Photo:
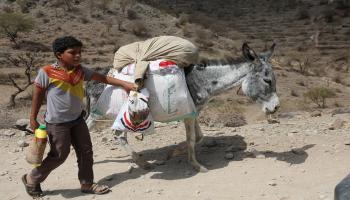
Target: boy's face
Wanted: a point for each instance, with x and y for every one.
(70, 57)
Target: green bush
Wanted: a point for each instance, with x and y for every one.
(13, 23)
(318, 95)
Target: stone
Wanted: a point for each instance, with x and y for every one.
(22, 143)
(273, 121)
(159, 162)
(159, 124)
(4, 173)
(260, 156)
(337, 124)
(210, 143)
(23, 133)
(316, 113)
(148, 191)
(220, 133)
(287, 115)
(229, 156)
(340, 111)
(131, 167)
(22, 124)
(272, 183)
(7, 132)
(104, 139)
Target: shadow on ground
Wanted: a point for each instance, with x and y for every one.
(211, 153)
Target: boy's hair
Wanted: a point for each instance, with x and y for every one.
(63, 43)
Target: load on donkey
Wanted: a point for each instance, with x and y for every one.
(255, 74)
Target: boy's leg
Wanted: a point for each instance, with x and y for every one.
(59, 140)
(81, 142)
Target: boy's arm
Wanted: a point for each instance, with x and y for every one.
(112, 81)
(38, 97)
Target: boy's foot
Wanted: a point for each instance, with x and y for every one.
(94, 188)
(33, 190)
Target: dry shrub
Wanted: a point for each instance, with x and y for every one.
(115, 47)
(303, 13)
(338, 79)
(337, 104)
(84, 20)
(131, 14)
(125, 4)
(337, 90)
(4, 79)
(104, 5)
(30, 62)
(32, 46)
(328, 15)
(294, 93)
(182, 20)
(343, 4)
(202, 19)
(39, 14)
(139, 29)
(318, 95)
(24, 5)
(301, 83)
(204, 38)
(11, 24)
(7, 9)
(187, 30)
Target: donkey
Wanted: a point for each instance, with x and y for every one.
(254, 74)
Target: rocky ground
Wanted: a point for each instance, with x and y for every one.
(302, 157)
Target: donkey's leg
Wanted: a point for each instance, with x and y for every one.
(199, 133)
(122, 138)
(191, 142)
(91, 121)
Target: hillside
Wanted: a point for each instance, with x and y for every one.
(301, 157)
(301, 63)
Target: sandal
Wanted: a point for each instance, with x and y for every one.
(33, 190)
(96, 189)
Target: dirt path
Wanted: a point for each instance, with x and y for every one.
(300, 158)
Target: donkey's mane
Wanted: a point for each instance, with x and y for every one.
(221, 61)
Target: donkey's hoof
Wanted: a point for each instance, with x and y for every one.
(145, 165)
(199, 139)
(201, 169)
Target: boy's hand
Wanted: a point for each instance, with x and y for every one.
(33, 124)
(130, 86)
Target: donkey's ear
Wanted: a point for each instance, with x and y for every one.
(248, 53)
(268, 54)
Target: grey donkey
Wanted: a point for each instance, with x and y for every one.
(204, 81)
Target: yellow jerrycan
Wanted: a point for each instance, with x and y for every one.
(37, 147)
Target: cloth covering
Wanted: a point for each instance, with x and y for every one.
(172, 48)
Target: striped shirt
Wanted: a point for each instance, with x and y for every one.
(64, 91)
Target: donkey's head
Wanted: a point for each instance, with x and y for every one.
(260, 83)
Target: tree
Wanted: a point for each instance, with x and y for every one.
(318, 95)
(30, 63)
(13, 23)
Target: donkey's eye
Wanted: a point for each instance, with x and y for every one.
(266, 73)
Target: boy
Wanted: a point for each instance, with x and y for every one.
(62, 82)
